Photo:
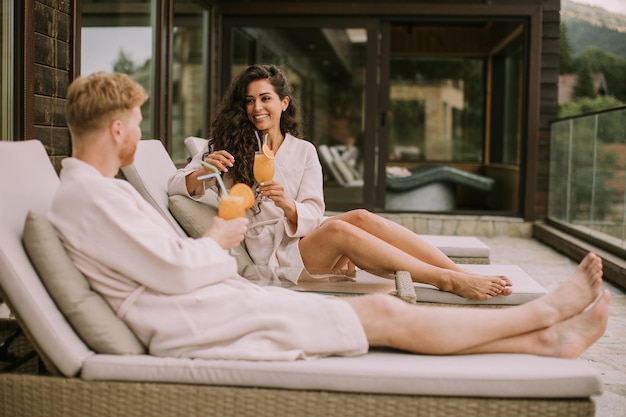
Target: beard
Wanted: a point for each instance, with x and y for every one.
(127, 154)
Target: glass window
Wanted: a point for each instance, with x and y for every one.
(189, 75)
(436, 109)
(455, 99)
(6, 71)
(508, 102)
(117, 35)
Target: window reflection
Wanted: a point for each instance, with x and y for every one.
(437, 109)
(189, 76)
(116, 37)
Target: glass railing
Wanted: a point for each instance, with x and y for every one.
(588, 176)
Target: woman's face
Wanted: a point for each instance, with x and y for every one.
(263, 106)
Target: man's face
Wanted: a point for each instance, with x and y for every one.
(131, 136)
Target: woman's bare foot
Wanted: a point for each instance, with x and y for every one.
(575, 294)
(478, 287)
(570, 338)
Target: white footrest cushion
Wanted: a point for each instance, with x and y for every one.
(525, 288)
(458, 246)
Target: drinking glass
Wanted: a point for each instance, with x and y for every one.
(263, 169)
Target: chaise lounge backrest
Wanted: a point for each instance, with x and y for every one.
(149, 174)
(194, 145)
(28, 183)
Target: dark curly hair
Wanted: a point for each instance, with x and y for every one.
(232, 130)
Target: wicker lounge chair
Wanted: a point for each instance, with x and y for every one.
(117, 378)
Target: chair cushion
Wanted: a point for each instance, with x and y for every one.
(458, 246)
(377, 372)
(195, 218)
(90, 315)
(525, 288)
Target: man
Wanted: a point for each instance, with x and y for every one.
(183, 296)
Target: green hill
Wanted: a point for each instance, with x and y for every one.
(594, 27)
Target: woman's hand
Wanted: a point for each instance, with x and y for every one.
(222, 160)
(275, 192)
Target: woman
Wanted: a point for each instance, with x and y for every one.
(290, 228)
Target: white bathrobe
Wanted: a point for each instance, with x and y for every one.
(182, 296)
(271, 239)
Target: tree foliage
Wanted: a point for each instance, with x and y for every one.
(566, 61)
(584, 82)
(124, 64)
(588, 105)
(612, 66)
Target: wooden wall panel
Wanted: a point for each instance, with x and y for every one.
(51, 68)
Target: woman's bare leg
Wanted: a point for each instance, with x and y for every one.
(450, 330)
(325, 247)
(398, 236)
(407, 241)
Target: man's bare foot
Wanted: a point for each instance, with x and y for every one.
(575, 294)
(570, 338)
(478, 287)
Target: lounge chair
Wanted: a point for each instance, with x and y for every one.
(97, 368)
(427, 188)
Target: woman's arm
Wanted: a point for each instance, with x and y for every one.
(185, 180)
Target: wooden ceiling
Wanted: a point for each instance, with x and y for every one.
(478, 39)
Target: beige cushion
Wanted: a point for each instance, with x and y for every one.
(195, 218)
(92, 318)
(378, 372)
(525, 288)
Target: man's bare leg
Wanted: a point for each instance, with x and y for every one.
(567, 339)
(448, 330)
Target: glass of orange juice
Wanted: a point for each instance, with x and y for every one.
(231, 207)
(263, 168)
(235, 203)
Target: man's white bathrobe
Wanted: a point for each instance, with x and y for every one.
(271, 239)
(182, 296)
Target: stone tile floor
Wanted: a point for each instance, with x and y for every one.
(549, 268)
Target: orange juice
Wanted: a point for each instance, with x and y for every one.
(232, 207)
(263, 168)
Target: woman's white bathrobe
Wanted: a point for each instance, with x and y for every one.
(182, 296)
(272, 239)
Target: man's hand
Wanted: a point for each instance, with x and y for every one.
(227, 233)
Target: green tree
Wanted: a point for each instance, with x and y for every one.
(588, 105)
(584, 82)
(566, 61)
(612, 66)
(124, 64)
